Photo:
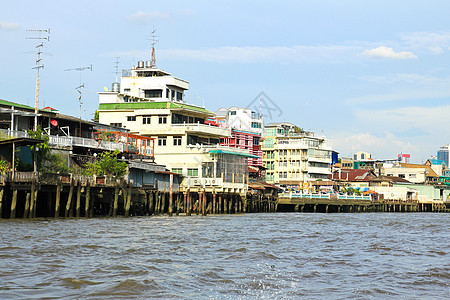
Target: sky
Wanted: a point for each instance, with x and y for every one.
(369, 75)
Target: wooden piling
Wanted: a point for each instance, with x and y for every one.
(13, 204)
(170, 203)
(26, 211)
(1, 202)
(163, 202)
(220, 204)
(225, 204)
(152, 203)
(69, 210)
(128, 200)
(58, 198)
(33, 197)
(188, 210)
(214, 211)
(88, 200)
(204, 201)
(116, 200)
(78, 207)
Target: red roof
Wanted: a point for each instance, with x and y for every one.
(353, 175)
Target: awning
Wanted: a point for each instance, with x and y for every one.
(233, 153)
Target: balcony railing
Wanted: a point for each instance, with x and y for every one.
(64, 141)
(202, 128)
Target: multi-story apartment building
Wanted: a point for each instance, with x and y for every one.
(150, 102)
(293, 157)
(246, 131)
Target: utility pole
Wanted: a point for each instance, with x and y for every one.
(79, 89)
(46, 33)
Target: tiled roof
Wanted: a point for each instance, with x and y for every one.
(431, 172)
(353, 175)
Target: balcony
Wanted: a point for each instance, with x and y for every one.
(70, 141)
(205, 130)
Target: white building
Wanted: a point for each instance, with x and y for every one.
(293, 156)
(150, 102)
(243, 119)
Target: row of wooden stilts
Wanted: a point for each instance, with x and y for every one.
(378, 207)
(77, 199)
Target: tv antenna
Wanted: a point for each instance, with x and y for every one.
(154, 41)
(43, 34)
(80, 88)
(117, 68)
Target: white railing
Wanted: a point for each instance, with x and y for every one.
(197, 127)
(64, 141)
(325, 196)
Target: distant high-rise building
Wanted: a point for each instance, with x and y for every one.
(443, 153)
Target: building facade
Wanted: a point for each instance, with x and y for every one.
(293, 156)
(246, 131)
(150, 102)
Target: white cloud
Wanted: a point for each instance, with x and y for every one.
(414, 93)
(146, 17)
(386, 52)
(404, 78)
(9, 26)
(385, 146)
(434, 42)
(283, 55)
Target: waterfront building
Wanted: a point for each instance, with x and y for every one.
(151, 102)
(246, 131)
(415, 173)
(294, 157)
(438, 166)
(361, 156)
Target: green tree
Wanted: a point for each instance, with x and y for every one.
(46, 160)
(107, 164)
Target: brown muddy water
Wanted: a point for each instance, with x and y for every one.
(254, 256)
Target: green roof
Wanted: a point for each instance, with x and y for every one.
(151, 105)
(9, 103)
(233, 153)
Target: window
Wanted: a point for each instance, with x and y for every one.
(401, 175)
(116, 124)
(167, 93)
(177, 170)
(162, 141)
(126, 90)
(146, 120)
(256, 125)
(412, 175)
(162, 120)
(153, 93)
(192, 172)
(179, 96)
(131, 118)
(177, 140)
(233, 113)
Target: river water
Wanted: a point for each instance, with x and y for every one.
(252, 256)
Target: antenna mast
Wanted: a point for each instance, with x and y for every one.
(154, 41)
(117, 68)
(80, 88)
(46, 33)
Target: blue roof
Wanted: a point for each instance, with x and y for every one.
(437, 162)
